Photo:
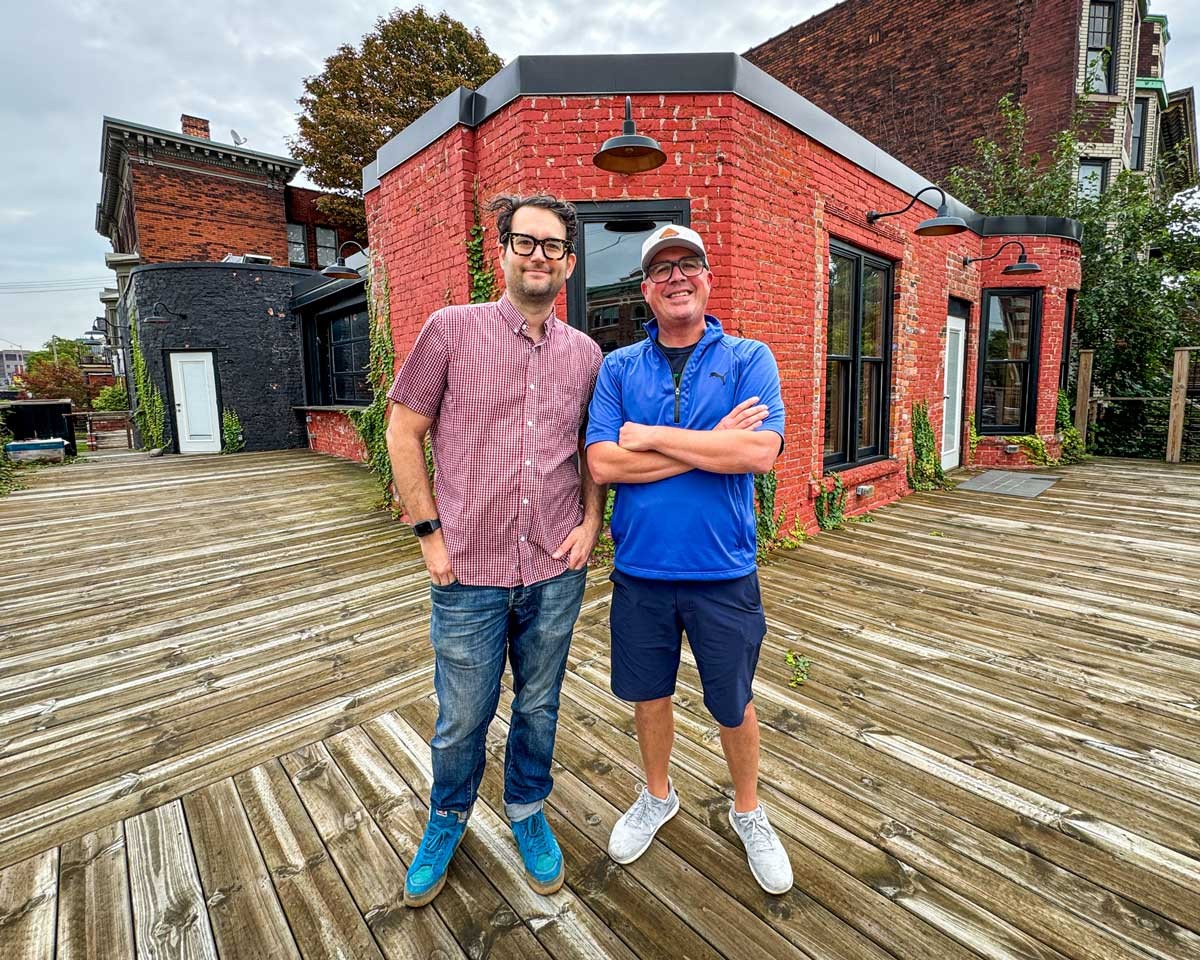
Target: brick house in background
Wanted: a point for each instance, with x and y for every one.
(922, 80)
(866, 320)
(176, 207)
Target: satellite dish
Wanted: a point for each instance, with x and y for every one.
(237, 140)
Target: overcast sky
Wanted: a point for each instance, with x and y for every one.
(64, 65)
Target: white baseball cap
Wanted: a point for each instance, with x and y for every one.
(670, 235)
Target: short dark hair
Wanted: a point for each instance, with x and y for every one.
(505, 205)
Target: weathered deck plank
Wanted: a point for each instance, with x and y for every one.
(93, 897)
(247, 920)
(997, 753)
(170, 918)
(28, 901)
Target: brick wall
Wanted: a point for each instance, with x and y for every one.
(332, 433)
(766, 198)
(1059, 260)
(922, 80)
(300, 205)
(187, 213)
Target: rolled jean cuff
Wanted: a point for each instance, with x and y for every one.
(517, 812)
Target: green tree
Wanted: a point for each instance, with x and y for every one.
(1140, 252)
(57, 350)
(112, 397)
(369, 93)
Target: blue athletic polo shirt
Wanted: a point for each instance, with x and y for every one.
(698, 525)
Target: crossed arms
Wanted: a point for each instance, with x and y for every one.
(644, 453)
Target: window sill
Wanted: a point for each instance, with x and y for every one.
(343, 408)
(862, 470)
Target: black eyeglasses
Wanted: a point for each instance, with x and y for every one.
(661, 270)
(552, 247)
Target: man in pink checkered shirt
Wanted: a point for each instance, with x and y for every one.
(503, 388)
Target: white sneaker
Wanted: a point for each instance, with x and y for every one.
(638, 825)
(768, 860)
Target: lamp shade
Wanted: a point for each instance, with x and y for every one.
(630, 152)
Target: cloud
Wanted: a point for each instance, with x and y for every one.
(242, 65)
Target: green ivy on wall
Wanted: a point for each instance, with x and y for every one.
(973, 436)
(479, 266)
(1073, 449)
(924, 467)
(150, 415)
(769, 522)
(1035, 449)
(371, 422)
(830, 505)
(232, 439)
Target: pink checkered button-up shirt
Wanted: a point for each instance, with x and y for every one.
(507, 418)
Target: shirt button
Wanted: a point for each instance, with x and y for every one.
(524, 499)
(531, 387)
(529, 463)
(522, 539)
(529, 423)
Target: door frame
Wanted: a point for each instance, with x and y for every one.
(170, 399)
(959, 324)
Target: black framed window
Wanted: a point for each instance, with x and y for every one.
(350, 358)
(326, 246)
(1093, 178)
(1064, 372)
(1008, 351)
(604, 295)
(297, 245)
(1137, 150)
(857, 367)
(1101, 38)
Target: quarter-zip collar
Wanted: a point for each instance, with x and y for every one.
(712, 333)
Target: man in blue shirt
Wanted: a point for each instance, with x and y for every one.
(679, 423)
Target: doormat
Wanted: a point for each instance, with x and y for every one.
(1009, 483)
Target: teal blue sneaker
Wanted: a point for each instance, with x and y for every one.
(427, 872)
(543, 859)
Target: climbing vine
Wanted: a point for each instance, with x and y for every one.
(830, 505)
(8, 469)
(924, 467)
(371, 422)
(232, 439)
(973, 436)
(150, 415)
(1073, 450)
(769, 522)
(1035, 449)
(483, 278)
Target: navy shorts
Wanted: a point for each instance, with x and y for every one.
(725, 626)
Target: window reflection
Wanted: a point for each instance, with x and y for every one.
(616, 310)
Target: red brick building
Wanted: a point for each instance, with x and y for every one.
(181, 197)
(860, 317)
(922, 80)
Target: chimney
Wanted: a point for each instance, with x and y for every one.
(195, 126)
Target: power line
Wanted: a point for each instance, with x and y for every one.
(19, 285)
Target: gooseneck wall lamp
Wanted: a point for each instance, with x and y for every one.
(161, 313)
(942, 224)
(630, 152)
(338, 269)
(1021, 266)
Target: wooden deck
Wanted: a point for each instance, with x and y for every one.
(215, 706)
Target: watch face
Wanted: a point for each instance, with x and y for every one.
(425, 527)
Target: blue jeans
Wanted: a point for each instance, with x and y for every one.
(472, 630)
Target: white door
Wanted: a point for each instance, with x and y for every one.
(195, 390)
(956, 332)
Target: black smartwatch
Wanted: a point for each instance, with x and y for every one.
(424, 528)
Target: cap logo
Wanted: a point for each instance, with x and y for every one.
(668, 232)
